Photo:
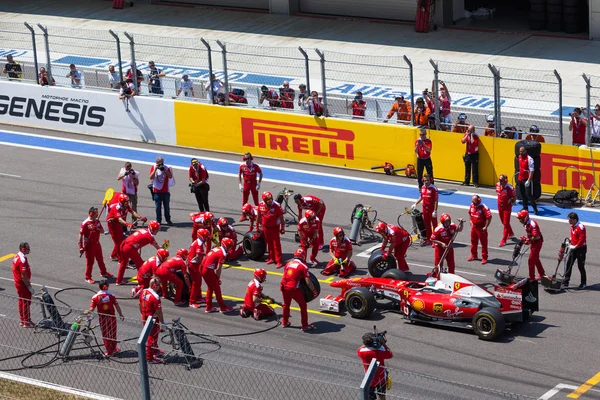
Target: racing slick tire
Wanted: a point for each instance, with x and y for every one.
(254, 248)
(308, 294)
(377, 265)
(360, 303)
(398, 275)
(488, 323)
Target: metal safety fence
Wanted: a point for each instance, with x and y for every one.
(514, 98)
(592, 108)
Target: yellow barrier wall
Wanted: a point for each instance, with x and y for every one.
(353, 144)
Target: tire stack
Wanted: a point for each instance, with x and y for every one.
(572, 16)
(534, 149)
(537, 15)
(554, 15)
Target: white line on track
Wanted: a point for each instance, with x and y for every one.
(34, 284)
(556, 389)
(10, 175)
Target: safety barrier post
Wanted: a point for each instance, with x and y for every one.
(497, 103)
(35, 59)
(323, 81)
(412, 91)
(377, 109)
(588, 87)
(224, 52)
(436, 88)
(142, 362)
(47, 42)
(306, 66)
(368, 378)
(118, 53)
(210, 71)
(560, 105)
(133, 65)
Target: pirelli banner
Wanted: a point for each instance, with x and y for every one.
(317, 140)
(91, 112)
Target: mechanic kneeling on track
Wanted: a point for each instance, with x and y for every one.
(375, 347)
(254, 296)
(340, 251)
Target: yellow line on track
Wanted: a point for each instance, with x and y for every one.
(593, 381)
(6, 257)
(228, 266)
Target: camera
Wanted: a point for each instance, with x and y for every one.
(378, 337)
(129, 171)
(161, 167)
(192, 188)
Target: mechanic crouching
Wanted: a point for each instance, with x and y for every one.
(340, 251)
(375, 347)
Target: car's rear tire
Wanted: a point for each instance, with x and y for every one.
(377, 265)
(360, 303)
(488, 323)
(397, 275)
(254, 248)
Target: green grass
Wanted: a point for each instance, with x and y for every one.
(22, 391)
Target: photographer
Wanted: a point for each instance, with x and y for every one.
(594, 119)
(578, 126)
(75, 76)
(270, 95)
(315, 106)
(358, 106)
(287, 95)
(127, 90)
(421, 113)
(471, 157)
(43, 75)
(154, 81)
(375, 347)
(198, 176)
(130, 181)
(162, 179)
(445, 103)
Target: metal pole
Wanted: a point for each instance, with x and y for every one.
(133, 65)
(306, 66)
(142, 362)
(118, 53)
(588, 87)
(377, 109)
(560, 105)
(497, 106)
(436, 89)
(412, 90)
(224, 53)
(366, 382)
(323, 82)
(210, 71)
(48, 64)
(35, 59)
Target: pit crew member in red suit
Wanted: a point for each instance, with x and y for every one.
(249, 212)
(22, 280)
(196, 256)
(308, 229)
(167, 271)
(506, 199)
(441, 239)
(131, 246)
(423, 147)
(577, 250)
(370, 350)
(204, 220)
(227, 231)
(340, 251)
(254, 295)
(429, 201)
(89, 243)
(150, 306)
(535, 240)
(148, 270)
(270, 218)
(480, 217)
(248, 173)
(106, 303)
(116, 220)
(295, 271)
(211, 272)
(315, 204)
(399, 241)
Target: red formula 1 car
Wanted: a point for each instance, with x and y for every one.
(449, 300)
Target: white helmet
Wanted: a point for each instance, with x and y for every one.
(490, 119)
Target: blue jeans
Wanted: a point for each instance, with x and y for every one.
(164, 199)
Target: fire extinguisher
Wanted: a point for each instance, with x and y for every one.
(358, 216)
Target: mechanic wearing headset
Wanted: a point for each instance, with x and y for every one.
(249, 212)
(248, 172)
(480, 218)
(148, 270)
(399, 241)
(308, 229)
(441, 237)
(254, 295)
(295, 271)
(204, 220)
(167, 272)
(211, 272)
(506, 199)
(270, 217)
(22, 279)
(195, 257)
(535, 240)
(89, 243)
(315, 204)
(106, 303)
(131, 246)
(116, 221)
(340, 251)
(150, 306)
(225, 230)
(375, 348)
(429, 200)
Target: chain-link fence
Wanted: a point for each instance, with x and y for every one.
(592, 111)
(18, 41)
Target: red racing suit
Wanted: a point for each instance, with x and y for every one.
(105, 303)
(399, 241)
(116, 211)
(200, 221)
(196, 256)
(20, 267)
(213, 280)
(312, 203)
(341, 251)
(230, 233)
(533, 230)
(90, 231)
(309, 231)
(149, 305)
(478, 215)
(271, 220)
(251, 216)
(249, 177)
(166, 272)
(444, 235)
(293, 272)
(130, 248)
(429, 196)
(145, 272)
(506, 198)
(258, 309)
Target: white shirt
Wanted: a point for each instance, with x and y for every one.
(187, 87)
(114, 79)
(128, 182)
(76, 75)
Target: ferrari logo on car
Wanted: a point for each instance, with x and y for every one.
(418, 305)
(406, 293)
(438, 308)
(456, 285)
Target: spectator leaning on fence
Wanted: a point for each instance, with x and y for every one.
(302, 97)
(445, 102)
(186, 86)
(216, 86)
(421, 112)
(127, 90)
(358, 106)
(401, 108)
(287, 95)
(534, 134)
(315, 106)
(490, 129)
(114, 80)
(594, 120)
(270, 95)
(43, 75)
(578, 126)
(140, 78)
(154, 81)
(12, 68)
(461, 125)
(75, 76)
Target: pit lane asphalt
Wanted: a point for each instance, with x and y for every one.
(50, 197)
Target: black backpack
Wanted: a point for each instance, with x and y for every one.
(566, 198)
